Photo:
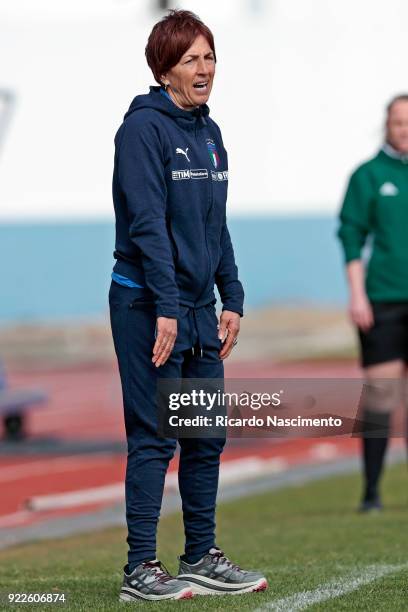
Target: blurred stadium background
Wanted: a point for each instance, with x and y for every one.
(299, 95)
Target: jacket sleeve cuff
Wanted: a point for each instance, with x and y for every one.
(170, 312)
(351, 253)
(233, 306)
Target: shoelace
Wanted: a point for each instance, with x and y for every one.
(160, 570)
(220, 557)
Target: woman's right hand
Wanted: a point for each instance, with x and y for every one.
(166, 334)
(361, 312)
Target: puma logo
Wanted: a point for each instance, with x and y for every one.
(178, 150)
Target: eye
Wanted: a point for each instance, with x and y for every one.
(188, 61)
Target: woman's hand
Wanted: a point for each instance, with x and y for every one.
(166, 334)
(360, 311)
(229, 327)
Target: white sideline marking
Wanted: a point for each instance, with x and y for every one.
(335, 588)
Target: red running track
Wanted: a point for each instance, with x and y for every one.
(85, 404)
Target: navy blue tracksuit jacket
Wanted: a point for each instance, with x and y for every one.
(169, 191)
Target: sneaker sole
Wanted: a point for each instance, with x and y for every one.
(128, 594)
(208, 586)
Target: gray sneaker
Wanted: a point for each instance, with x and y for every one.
(152, 581)
(214, 574)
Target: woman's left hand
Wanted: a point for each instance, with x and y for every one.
(228, 331)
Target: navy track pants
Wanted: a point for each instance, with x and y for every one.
(133, 322)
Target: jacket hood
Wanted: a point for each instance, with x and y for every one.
(159, 102)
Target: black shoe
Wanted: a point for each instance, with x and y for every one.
(371, 505)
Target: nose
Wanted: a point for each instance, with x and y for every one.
(201, 66)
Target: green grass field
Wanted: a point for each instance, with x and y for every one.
(302, 538)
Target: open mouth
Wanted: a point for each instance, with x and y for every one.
(201, 85)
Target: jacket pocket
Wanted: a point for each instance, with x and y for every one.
(143, 302)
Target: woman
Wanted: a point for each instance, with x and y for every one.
(376, 205)
(172, 247)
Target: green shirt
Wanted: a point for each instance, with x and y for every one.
(376, 205)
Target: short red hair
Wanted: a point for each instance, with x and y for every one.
(170, 39)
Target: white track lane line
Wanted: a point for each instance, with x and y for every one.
(95, 495)
(335, 588)
(236, 470)
(53, 465)
(16, 518)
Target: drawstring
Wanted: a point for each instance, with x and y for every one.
(195, 325)
(200, 346)
(198, 112)
(193, 350)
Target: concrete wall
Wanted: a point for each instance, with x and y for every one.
(299, 95)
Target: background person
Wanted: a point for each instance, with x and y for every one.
(172, 247)
(376, 205)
